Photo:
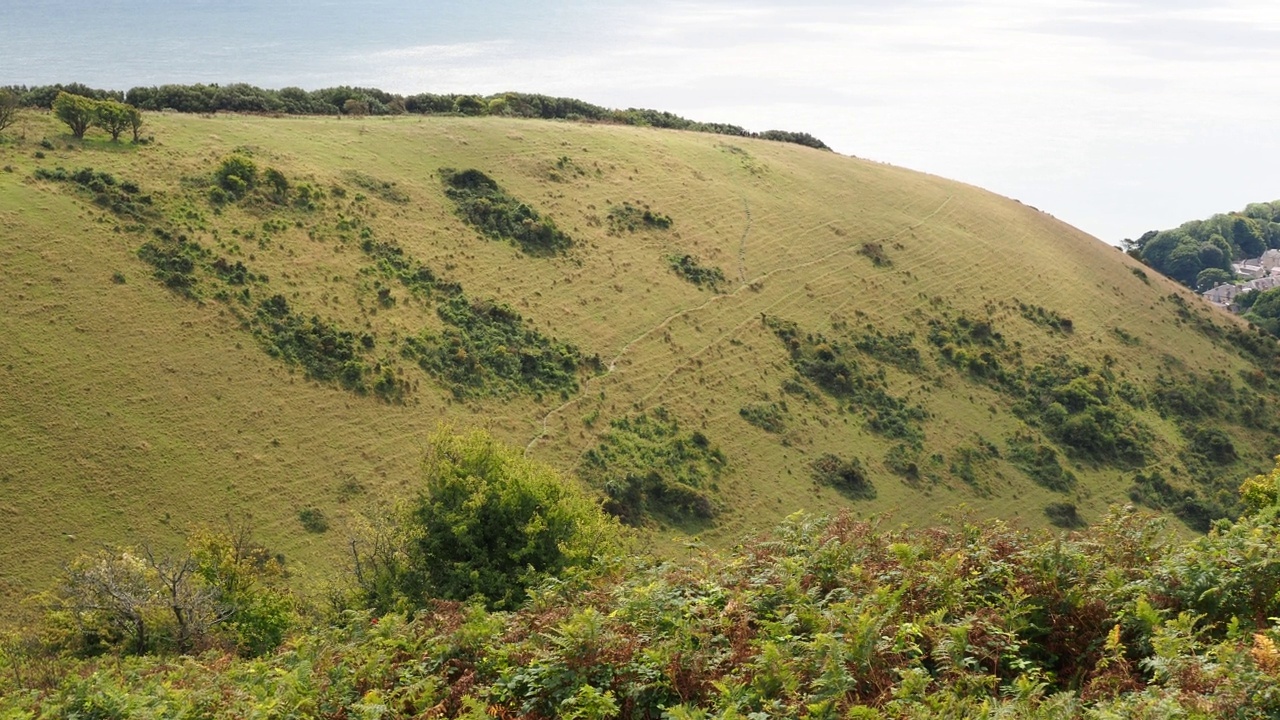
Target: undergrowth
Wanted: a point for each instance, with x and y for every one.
(647, 466)
(487, 207)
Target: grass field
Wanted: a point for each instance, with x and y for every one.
(129, 413)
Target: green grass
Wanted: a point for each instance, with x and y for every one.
(128, 411)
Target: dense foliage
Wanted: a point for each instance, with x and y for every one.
(831, 618)
(491, 210)
(1199, 253)
(357, 101)
(647, 466)
(487, 525)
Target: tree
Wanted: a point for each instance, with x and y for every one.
(1210, 278)
(135, 121)
(1261, 492)
(222, 587)
(112, 117)
(1246, 236)
(488, 524)
(77, 111)
(9, 103)
(355, 107)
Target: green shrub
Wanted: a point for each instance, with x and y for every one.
(832, 366)
(846, 475)
(689, 268)
(770, 417)
(487, 207)
(1064, 515)
(236, 175)
(487, 349)
(646, 465)
(313, 520)
(490, 524)
(630, 218)
(1040, 463)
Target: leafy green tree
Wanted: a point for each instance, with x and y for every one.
(113, 117)
(77, 111)
(1262, 492)
(1210, 278)
(488, 524)
(470, 105)
(135, 121)
(1247, 237)
(9, 103)
(1184, 263)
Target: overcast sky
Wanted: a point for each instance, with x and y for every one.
(1117, 117)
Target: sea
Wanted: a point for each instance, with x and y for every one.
(391, 44)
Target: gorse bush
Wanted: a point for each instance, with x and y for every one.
(832, 365)
(647, 466)
(123, 198)
(691, 269)
(630, 218)
(489, 349)
(487, 207)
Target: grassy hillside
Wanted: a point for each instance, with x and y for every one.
(901, 326)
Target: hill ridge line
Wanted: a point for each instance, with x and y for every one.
(612, 367)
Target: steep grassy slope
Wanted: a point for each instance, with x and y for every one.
(129, 411)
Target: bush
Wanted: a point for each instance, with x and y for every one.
(1064, 515)
(647, 466)
(770, 417)
(490, 524)
(691, 269)
(487, 207)
(236, 175)
(847, 476)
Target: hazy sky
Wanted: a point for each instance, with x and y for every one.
(1115, 116)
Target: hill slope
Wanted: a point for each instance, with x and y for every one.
(874, 336)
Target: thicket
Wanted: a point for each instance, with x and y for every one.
(486, 206)
(823, 618)
(647, 466)
(1263, 309)
(487, 349)
(974, 346)
(631, 218)
(122, 197)
(768, 416)
(1081, 408)
(1048, 319)
(844, 474)
(896, 349)
(1040, 463)
(832, 366)
(690, 269)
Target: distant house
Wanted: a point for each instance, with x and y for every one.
(1270, 261)
(1223, 294)
(1252, 268)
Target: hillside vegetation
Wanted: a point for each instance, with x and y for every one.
(263, 318)
(822, 618)
(1199, 253)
